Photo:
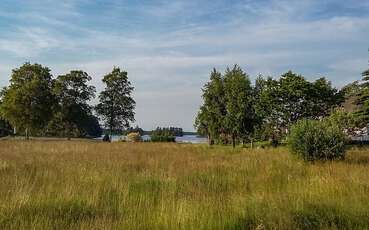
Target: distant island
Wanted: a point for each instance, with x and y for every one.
(174, 131)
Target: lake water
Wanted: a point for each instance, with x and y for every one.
(194, 139)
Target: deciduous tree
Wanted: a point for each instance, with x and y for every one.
(362, 114)
(73, 93)
(210, 119)
(240, 116)
(116, 105)
(28, 101)
(283, 102)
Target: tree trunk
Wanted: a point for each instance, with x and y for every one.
(111, 133)
(252, 143)
(68, 131)
(233, 141)
(210, 141)
(27, 136)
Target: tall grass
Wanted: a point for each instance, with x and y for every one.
(85, 185)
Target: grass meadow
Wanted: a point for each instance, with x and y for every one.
(88, 185)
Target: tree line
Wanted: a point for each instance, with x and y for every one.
(168, 131)
(35, 103)
(236, 111)
(159, 131)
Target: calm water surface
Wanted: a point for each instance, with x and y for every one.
(194, 139)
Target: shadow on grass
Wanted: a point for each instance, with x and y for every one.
(60, 214)
(327, 217)
(243, 223)
(361, 160)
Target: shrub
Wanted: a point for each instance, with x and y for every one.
(274, 141)
(344, 120)
(165, 138)
(317, 140)
(134, 137)
(106, 138)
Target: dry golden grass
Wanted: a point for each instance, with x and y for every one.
(87, 185)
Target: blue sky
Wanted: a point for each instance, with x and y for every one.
(169, 47)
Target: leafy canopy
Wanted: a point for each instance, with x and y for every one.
(317, 140)
(28, 101)
(227, 111)
(362, 114)
(116, 105)
(73, 113)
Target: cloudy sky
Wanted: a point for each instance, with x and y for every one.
(169, 47)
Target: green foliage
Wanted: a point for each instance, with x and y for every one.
(280, 103)
(28, 101)
(362, 114)
(162, 138)
(234, 111)
(202, 123)
(324, 98)
(73, 115)
(165, 134)
(116, 105)
(90, 126)
(267, 104)
(291, 98)
(346, 121)
(240, 116)
(317, 140)
(170, 131)
(325, 216)
(351, 89)
(210, 119)
(227, 113)
(5, 128)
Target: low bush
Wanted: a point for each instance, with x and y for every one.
(317, 140)
(157, 138)
(134, 137)
(274, 142)
(106, 138)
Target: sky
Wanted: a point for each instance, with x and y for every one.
(168, 47)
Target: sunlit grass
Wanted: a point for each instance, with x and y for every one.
(86, 185)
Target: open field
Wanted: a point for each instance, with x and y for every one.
(88, 185)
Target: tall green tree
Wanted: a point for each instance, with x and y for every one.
(27, 102)
(116, 105)
(240, 117)
(294, 98)
(235, 110)
(73, 93)
(282, 102)
(90, 126)
(227, 112)
(351, 90)
(362, 114)
(202, 123)
(324, 98)
(210, 119)
(5, 127)
(268, 105)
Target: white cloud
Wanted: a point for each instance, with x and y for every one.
(169, 68)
